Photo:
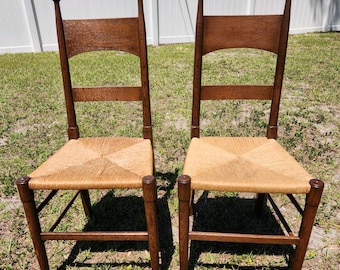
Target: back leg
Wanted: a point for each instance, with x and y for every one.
(85, 198)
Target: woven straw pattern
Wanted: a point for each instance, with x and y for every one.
(91, 163)
(244, 165)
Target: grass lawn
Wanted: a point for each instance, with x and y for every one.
(33, 126)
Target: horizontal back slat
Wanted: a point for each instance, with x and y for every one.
(109, 93)
(101, 34)
(258, 32)
(222, 92)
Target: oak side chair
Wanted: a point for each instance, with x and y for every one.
(243, 164)
(97, 162)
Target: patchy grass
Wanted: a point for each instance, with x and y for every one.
(32, 127)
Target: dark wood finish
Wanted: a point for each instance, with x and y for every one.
(150, 204)
(48, 198)
(295, 203)
(260, 202)
(196, 99)
(265, 32)
(64, 212)
(107, 93)
(96, 236)
(280, 67)
(244, 238)
(92, 35)
(27, 199)
(86, 201)
(73, 131)
(144, 67)
(220, 92)
(280, 216)
(311, 207)
(76, 37)
(184, 193)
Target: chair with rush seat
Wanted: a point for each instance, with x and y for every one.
(97, 162)
(243, 164)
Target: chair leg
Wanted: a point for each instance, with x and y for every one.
(191, 202)
(312, 203)
(85, 198)
(184, 196)
(150, 204)
(27, 198)
(260, 203)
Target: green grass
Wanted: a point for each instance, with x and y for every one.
(33, 126)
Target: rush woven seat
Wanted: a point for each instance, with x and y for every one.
(258, 165)
(244, 165)
(96, 163)
(86, 163)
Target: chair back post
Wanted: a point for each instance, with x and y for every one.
(73, 131)
(280, 65)
(196, 103)
(147, 128)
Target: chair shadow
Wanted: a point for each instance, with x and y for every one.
(234, 215)
(167, 247)
(126, 213)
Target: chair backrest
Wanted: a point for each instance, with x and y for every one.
(265, 32)
(119, 34)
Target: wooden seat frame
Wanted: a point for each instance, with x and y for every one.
(221, 32)
(75, 37)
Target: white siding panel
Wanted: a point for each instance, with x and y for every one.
(222, 7)
(269, 7)
(334, 16)
(28, 25)
(151, 20)
(45, 17)
(80, 9)
(307, 15)
(15, 35)
(176, 20)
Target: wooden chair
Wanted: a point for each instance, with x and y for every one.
(97, 162)
(243, 164)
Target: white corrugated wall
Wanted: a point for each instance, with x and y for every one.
(28, 25)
